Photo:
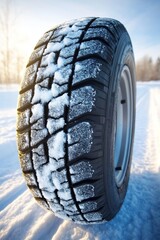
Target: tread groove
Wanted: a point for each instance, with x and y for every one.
(85, 181)
(66, 120)
(29, 133)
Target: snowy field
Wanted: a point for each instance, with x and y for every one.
(22, 218)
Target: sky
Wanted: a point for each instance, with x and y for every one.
(140, 17)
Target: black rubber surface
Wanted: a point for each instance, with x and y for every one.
(66, 118)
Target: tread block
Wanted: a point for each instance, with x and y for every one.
(55, 207)
(65, 194)
(62, 75)
(37, 112)
(77, 218)
(70, 206)
(23, 141)
(59, 179)
(46, 72)
(106, 23)
(39, 150)
(38, 132)
(44, 83)
(30, 179)
(96, 47)
(55, 39)
(23, 119)
(86, 69)
(25, 160)
(45, 183)
(56, 147)
(36, 54)
(79, 139)
(68, 51)
(82, 101)
(100, 33)
(49, 58)
(95, 216)
(49, 196)
(44, 39)
(25, 99)
(62, 31)
(38, 160)
(83, 22)
(41, 95)
(30, 76)
(36, 192)
(75, 34)
(84, 192)
(88, 206)
(57, 105)
(81, 171)
(54, 125)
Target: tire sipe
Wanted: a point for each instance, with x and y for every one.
(76, 119)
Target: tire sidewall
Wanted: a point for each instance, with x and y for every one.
(114, 195)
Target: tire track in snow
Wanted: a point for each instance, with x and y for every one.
(140, 214)
(25, 219)
(153, 132)
(142, 93)
(10, 195)
(142, 118)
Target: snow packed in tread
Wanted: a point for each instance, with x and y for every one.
(54, 54)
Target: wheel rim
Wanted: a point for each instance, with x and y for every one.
(124, 122)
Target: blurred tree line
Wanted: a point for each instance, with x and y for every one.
(11, 54)
(12, 57)
(148, 70)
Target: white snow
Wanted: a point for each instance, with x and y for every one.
(46, 72)
(74, 28)
(57, 183)
(56, 145)
(48, 59)
(60, 62)
(43, 176)
(55, 47)
(54, 125)
(78, 67)
(37, 112)
(65, 30)
(41, 94)
(56, 106)
(55, 90)
(65, 194)
(58, 76)
(68, 41)
(139, 218)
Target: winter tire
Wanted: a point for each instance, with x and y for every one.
(76, 118)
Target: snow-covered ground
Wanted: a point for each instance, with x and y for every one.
(22, 218)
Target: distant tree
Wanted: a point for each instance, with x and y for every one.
(157, 69)
(147, 70)
(143, 68)
(10, 57)
(5, 29)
